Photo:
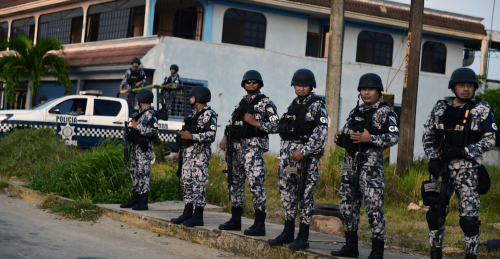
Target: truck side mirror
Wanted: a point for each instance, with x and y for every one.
(54, 110)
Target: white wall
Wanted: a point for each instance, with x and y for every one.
(432, 86)
(284, 34)
(223, 66)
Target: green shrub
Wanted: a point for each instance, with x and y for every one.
(99, 174)
(24, 151)
(81, 209)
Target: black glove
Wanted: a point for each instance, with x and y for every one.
(435, 167)
(449, 153)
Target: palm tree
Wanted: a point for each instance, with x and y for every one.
(26, 60)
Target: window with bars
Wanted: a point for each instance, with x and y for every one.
(374, 48)
(181, 104)
(433, 57)
(66, 26)
(24, 26)
(244, 28)
(179, 18)
(115, 20)
(4, 32)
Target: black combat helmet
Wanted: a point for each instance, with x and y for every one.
(136, 60)
(304, 77)
(174, 66)
(463, 75)
(145, 96)
(252, 74)
(370, 80)
(201, 94)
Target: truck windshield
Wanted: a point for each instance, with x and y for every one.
(45, 104)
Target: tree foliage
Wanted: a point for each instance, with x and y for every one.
(26, 60)
(492, 97)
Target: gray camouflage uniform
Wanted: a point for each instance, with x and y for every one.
(463, 172)
(140, 166)
(126, 86)
(316, 144)
(248, 156)
(167, 96)
(196, 159)
(371, 178)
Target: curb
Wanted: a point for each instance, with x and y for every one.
(223, 240)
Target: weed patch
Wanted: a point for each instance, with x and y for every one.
(81, 209)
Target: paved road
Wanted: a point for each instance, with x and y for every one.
(28, 232)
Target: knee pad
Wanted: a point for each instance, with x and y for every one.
(470, 226)
(432, 220)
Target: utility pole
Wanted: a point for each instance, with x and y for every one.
(410, 87)
(334, 71)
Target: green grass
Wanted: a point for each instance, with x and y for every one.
(3, 185)
(81, 209)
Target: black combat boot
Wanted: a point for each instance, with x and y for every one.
(235, 222)
(286, 236)
(351, 246)
(377, 249)
(436, 253)
(142, 203)
(187, 214)
(259, 226)
(302, 240)
(469, 256)
(131, 203)
(197, 219)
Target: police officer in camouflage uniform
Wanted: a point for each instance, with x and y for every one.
(370, 128)
(134, 77)
(253, 119)
(167, 95)
(145, 130)
(461, 154)
(195, 140)
(303, 130)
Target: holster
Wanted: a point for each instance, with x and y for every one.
(430, 194)
(483, 180)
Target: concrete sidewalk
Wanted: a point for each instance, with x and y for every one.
(157, 219)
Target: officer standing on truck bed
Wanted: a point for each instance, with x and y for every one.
(370, 128)
(134, 78)
(167, 95)
(303, 130)
(458, 130)
(195, 140)
(252, 120)
(145, 130)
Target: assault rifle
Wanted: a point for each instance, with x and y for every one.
(301, 182)
(356, 168)
(228, 158)
(179, 167)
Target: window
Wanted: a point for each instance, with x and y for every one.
(24, 26)
(71, 105)
(106, 108)
(374, 48)
(312, 45)
(115, 20)
(4, 32)
(433, 57)
(178, 18)
(66, 26)
(244, 28)
(181, 105)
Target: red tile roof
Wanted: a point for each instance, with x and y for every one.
(402, 14)
(109, 56)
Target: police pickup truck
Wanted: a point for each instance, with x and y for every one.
(82, 120)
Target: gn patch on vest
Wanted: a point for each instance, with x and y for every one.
(393, 129)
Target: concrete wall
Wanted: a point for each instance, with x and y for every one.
(223, 66)
(284, 33)
(432, 86)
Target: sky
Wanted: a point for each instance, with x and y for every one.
(476, 8)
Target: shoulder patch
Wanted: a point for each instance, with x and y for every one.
(494, 126)
(393, 121)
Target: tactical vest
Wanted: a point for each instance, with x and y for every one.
(191, 125)
(454, 127)
(293, 125)
(240, 128)
(358, 122)
(137, 138)
(135, 76)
